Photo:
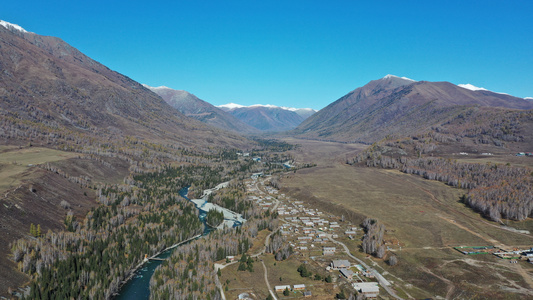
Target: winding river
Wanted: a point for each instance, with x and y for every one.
(138, 287)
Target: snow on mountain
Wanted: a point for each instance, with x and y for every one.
(528, 98)
(12, 26)
(157, 87)
(230, 106)
(394, 76)
(471, 87)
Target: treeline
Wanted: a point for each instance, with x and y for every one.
(497, 191)
(214, 218)
(373, 238)
(100, 252)
(279, 247)
(233, 197)
(274, 145)
(142, 155)
(189, 273)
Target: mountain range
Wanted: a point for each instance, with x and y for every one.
(45, 81)
(252, 119)
(268, 118)
(196, 108)
(398, 106)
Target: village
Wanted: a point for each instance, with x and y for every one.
(316, 239)
(328, 248)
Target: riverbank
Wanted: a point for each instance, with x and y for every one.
(137, 284)
(134, 270)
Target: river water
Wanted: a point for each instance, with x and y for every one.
(138, 288)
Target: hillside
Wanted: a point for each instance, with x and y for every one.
(394, 106)
(191, 106)
(53, 87)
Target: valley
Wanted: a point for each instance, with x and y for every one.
(400, 189)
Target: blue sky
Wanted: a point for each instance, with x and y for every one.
(294, 53)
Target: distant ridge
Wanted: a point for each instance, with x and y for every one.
(268, 117)
(399, 106)
(193, 107)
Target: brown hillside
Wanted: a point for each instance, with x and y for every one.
(398, 107)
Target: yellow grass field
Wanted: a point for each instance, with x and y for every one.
(15, 161)
(425, 218)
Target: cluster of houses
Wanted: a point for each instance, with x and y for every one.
(297, 207)
(308, 228)
(345, 268)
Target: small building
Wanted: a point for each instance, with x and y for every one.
(346, 273)
(298, 287)
(230, 258)
(308, 294)
(368, 289)
(340, 264)
(281, 288)
(328, 250)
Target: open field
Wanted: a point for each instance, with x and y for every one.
(424, 217)
(14, 161)
(238, 282)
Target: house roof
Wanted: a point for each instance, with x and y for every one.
(337, 263)
(346, 272)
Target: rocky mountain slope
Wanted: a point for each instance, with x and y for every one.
(50, 85)
(191, 106)
(395, 106)
(68, 126)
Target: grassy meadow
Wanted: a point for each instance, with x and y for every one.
(15, 162)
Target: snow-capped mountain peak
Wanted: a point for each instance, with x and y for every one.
(528, 98)
(394, 76)
(298, 109)
(471, 87)
(156, 87)
(12, 26)
(230, 106)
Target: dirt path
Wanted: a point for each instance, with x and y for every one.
(525, 274)
(487, 239)
(451, 286)
(268, 283)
